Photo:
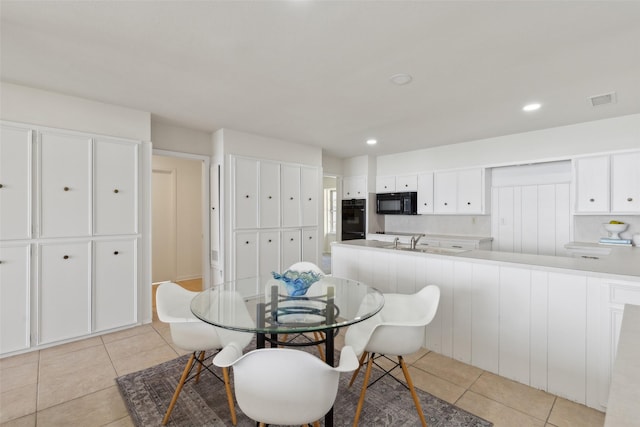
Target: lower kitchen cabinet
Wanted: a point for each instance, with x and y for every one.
(115, 299)
(15, 298)
(64, 291)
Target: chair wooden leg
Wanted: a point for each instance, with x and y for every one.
(227, 386)
(367, 374)
(405, 371)
(201, 359)
(355, 374)
(318, 337)
(183, 378)
(316, 424)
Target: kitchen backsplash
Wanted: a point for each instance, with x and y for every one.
(469, 225)
(589, 228)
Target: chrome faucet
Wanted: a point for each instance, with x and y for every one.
(395, 242)
(414, 240)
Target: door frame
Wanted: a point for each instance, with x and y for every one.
(205, 190)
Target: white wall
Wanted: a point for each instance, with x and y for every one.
(170, 137)
(34, 106)
(188, 209)
(564, 142)
(331, 165)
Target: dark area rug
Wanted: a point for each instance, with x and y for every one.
(147, 394)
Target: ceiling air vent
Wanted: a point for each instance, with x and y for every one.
(607, 98)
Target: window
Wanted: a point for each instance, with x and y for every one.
(331, 203)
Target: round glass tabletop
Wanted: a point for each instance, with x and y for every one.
(262, 305)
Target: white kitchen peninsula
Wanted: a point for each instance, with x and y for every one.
(549, 322)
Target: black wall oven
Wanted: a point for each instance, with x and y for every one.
(353, 219)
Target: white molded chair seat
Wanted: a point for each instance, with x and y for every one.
(396, 330)
(306, 386)
(173, 304)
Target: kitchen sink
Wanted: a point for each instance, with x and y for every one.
(434, 250)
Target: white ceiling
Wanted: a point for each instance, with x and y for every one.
(316, 72)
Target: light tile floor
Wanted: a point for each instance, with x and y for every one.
(73, 384)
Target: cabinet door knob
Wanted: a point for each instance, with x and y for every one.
(290, 198)
(469, 203)
(246, 197)
(246, 243)
(425, 204)
(270, 197)
(592, 200)
(66, 257)
(445, 203)
(269, 240)
(406, 185)
(116, 252)
(116, 191)
(309, 198)
(629, 199)
(292, 239)
(213, 208)
(66, 188)
(0, 185)
(310, 237)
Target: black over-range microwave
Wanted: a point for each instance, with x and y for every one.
(397, 203)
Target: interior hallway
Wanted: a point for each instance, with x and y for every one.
(73, 384)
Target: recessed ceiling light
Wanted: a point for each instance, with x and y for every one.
(372, 141)
(531, 107)
(401, 79)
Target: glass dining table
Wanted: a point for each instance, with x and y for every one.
(262, 306)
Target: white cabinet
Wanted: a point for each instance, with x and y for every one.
(425, 193)
(15, 182)
(65, 183)
(246, 254)
(406, 183)
(115, 187)
(15, 297)
(385, 184)
(608, 184)
(310, 196)
(269, 194)
(445, 192)
(290, 184)
(115, 294)
(625, 182)
(269, 253)
(64, 291)
(310, 245)
(461, 192)
(354, 187)
(246, 193)
(592, 184)
(291, 248)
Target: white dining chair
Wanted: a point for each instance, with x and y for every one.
(173, 304)
(396, 330)
(306, 386)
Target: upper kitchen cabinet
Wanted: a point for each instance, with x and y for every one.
(115, 187)
(385, 184)
(269, 194)
(625, 183)
(425, 193)
(354, 187)
(65, 183)
(246, 193)
(310, 194)
(290, 185)
(15, 182)
(406, 183)
(460, 192)
(592, 184)
(608, 184)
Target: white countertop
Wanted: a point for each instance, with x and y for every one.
(623, 261)
(391, 235)
(623, 408)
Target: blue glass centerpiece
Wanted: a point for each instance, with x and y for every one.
(297, 282)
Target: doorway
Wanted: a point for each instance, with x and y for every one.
(330, 219)
(180, 220)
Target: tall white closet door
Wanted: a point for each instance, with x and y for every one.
(269, 253)
(290, 248)
(310, 245)
(290, 196)
(14, 298)
(246, 254)
(246, 193)
(65, 182)
(114, 288)
(64, 291)
(269, 195)
(310, 195)
(115, 187)
(15, 183)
